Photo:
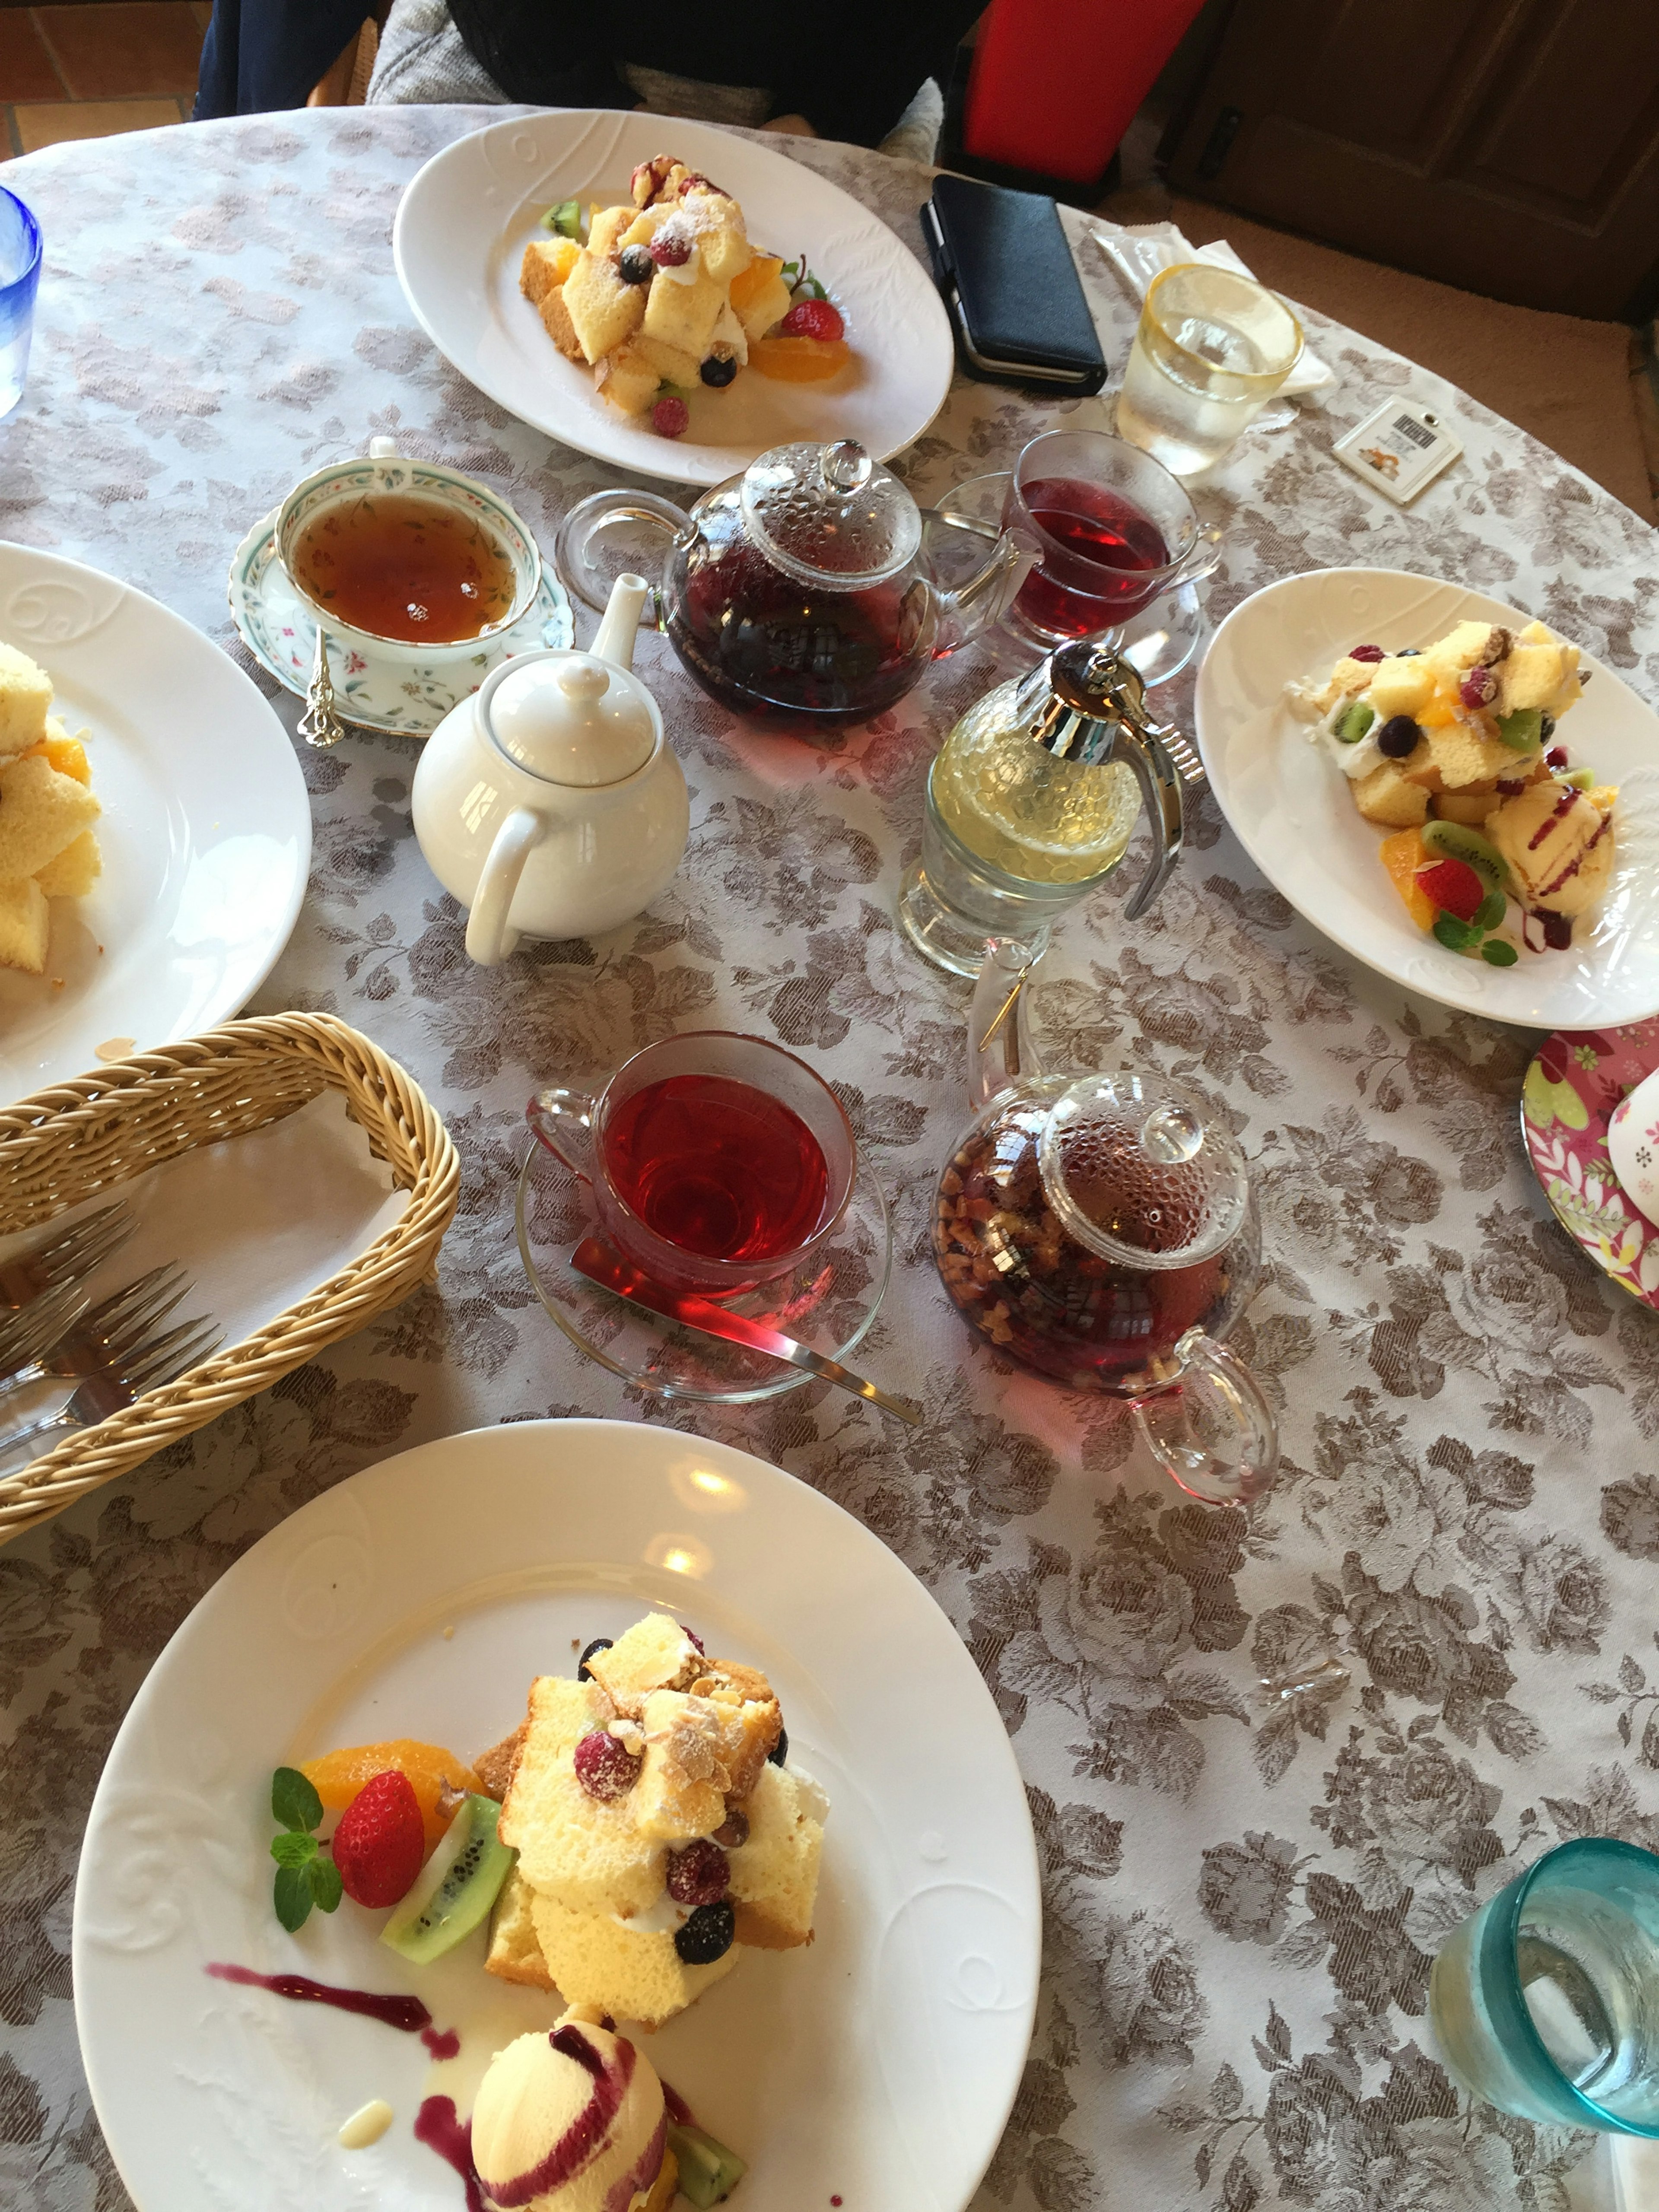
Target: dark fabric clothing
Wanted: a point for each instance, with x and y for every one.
(261, 54)
(850, 71)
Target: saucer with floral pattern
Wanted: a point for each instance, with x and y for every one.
(1572, 1090)
(389, 690)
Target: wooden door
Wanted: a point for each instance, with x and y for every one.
(1510, 147)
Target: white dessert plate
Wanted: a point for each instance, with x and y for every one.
(466, 218)
(419, 1598)
(1293, 814)
(206, 830)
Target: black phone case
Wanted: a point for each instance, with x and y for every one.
(1015, 300)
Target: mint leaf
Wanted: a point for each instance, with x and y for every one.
(790, 273)
(1498, 953)
(293, 1897)
(292, 1850)
(1456, 936)
(325, 1886)
(1491, 910)
(293, 1800)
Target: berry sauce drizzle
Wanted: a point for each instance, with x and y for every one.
(408, 2014)
(441, 2128)
(442, 2042)
(678, 2111)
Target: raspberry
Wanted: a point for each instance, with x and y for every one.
(1478, 687)
(605, 1769)
(381, 1841)
(698, 1874)
(1398, 736)
(706, 1935)
(670, 249)
(1556, 756)
(1366, 652)
(697, 182)
(695, 1638)
(669, 416)
(1455, 887)
(812, 319)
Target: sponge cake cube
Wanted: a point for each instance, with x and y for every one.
(74, 870)
(547, 261)
(593, 1960)
(40, 812)
(655, 1654)
(1391, 799)
(25, 700)
(684, 315)
(589, 1851)
(515, 1953)
(774, 1872)
(604, 312)
(628, 382)
(25, 927)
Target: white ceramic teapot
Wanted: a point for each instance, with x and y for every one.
(550, 803)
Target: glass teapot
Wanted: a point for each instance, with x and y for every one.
(810, 589)
(1101, 1231)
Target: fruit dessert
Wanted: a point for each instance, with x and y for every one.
(1453, 749)
(47, 848)
(658, 1831)
(665, 297)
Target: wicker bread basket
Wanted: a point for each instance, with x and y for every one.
(77, 1139)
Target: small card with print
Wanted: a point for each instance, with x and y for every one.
(1398, 448)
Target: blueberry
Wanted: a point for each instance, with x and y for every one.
(780, 1751)
(1545, 728)
(706, 1934)
(1409, 653)
(720, 369)
(1398, 736)
(634, 265)
(599, 1644)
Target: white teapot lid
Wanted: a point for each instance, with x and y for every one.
(569, 718)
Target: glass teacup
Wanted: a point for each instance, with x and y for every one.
(714, 1161)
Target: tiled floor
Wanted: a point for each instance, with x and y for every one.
(85, 71)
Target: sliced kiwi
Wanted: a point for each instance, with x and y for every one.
(1351, 724)
(1522, 732)
(457, 1886)
(709, 2172)
(564, 221)
(1580, 779)
(1455, 841)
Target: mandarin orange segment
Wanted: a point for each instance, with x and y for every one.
(1402, 856)
(67, 755)
(746, 287)
(799, 361)
(338, 1776)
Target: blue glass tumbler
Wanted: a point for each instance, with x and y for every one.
(20, 275)
(1546, 2002)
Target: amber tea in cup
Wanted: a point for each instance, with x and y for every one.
(398, 566)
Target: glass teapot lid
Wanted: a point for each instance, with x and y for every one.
(1136, 1171)
(829, 515)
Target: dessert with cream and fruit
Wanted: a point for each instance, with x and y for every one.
(658, 1830)
(1453, 749)
(666, 297)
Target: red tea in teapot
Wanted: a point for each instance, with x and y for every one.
(1041, 1296)
(766, 645)
(718, 1166)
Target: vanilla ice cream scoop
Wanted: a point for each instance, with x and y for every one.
(1558, 845)
(571, 2120)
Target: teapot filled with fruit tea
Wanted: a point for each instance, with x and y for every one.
(809, 590)
(1101, 1231)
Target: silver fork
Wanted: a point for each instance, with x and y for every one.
(33, 1330)
(97, 1396)
(73, 1253)
(94, 1342)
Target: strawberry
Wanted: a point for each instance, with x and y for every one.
(1455, 887)
(381, 1841)
(812, 319)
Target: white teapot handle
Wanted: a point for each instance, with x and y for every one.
(489, 940)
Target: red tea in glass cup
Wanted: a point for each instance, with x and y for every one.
(714, 1161)
(1116, 530)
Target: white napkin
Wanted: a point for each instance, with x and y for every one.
(257, 1222)
(1138, 252)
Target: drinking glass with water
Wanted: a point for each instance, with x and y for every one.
(19, 275)
(1211, 349)
(1546, 2002)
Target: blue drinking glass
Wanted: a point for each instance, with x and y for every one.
(20, 275)
(1546, 2002)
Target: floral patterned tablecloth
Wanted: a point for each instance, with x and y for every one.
(1243, 1897)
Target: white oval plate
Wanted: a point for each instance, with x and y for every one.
(462, 225)
(879, 2064)
(206, 830)
(1292, 813)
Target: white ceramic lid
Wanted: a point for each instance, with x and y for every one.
(568, 717)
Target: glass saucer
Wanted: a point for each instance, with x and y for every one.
(1158, 641)
(828, 1304)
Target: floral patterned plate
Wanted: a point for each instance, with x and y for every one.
(378, 691)
(1571, 1090)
